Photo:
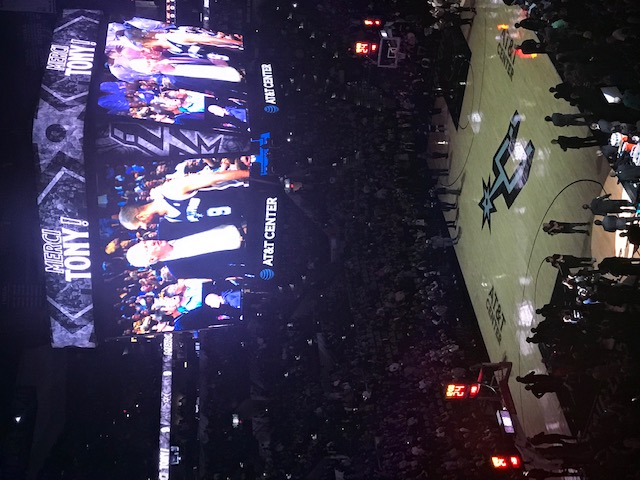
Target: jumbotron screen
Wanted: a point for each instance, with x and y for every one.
(151, 217)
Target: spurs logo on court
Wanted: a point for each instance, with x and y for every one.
(504, 185)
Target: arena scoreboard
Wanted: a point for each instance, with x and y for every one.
(149, 137)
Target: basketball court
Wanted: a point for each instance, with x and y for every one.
(514, 180)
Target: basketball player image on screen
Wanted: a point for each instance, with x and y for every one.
(201, 226)
(204, 199)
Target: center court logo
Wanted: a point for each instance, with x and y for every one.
(504, 185)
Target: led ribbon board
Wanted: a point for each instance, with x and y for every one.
(58, 133)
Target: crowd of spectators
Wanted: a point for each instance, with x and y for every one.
(354, 378)
(381, 410)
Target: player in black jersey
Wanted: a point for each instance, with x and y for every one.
(203, 198)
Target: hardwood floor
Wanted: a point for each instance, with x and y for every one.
(502, 256)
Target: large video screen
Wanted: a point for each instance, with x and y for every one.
(167, 90)
(184, 75)
(151, 219)
(173, 242)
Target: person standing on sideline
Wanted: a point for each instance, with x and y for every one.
(620, 266)
(575, 142)
(602, 205)
(564, 263)
(570, 261)
(567, 119)
(612, 224)
(533, 377)
(531, 24)
(532, 46)
(553, 227)
(540, 389)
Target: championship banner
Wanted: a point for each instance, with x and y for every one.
(58, 133)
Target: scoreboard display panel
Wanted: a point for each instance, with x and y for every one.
(150, 220)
